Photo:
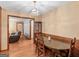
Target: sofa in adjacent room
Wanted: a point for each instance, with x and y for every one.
(14, 37)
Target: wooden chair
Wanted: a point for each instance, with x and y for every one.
(35, 37)
(35, 42)
(36, 45)
(55, 53)
(40, 46)
(68, 52)
(72, 46)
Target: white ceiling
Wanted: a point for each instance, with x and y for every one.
(27, 6)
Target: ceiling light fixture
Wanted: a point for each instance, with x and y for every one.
(35, 12)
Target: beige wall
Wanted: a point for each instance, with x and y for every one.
(4, 30)
(12, 25)
(63, 21)
(38, 18)
(49, 21)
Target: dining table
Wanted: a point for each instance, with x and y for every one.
(56, 44)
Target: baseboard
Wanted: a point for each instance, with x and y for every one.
(4, 50)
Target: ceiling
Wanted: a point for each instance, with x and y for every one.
(27, 6)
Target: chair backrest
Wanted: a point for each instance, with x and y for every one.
(72, 46)
(35, 37)
(40, 45)
(74, 41)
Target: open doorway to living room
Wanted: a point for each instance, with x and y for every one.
(20, 36)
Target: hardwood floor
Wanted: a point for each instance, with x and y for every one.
(22, 48)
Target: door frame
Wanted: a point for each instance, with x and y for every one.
(8, 27)
(0, 27)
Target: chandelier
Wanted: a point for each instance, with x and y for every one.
(35, 11)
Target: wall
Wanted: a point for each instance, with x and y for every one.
(38, 18)
(49, 22)
(12, 25)
(4, 30)
(63, 21)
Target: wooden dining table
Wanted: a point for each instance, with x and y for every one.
(56, 44)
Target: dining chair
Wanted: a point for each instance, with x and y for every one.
(35, 42)
(64, 53)
(72, 47)
(48, 52)
(40, 46)
(36, 45)
(68, 52)
(35, 36)
(56, 53)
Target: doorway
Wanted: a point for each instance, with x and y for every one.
(20, 27)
